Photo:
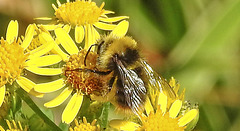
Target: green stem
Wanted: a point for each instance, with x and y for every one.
(104, 117)
(35, 108)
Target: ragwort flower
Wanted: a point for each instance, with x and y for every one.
(75, 82)
(167, 115)
(84, 125)
(14, 58)
(84, 17)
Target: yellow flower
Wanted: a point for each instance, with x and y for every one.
(13, 126)
(162, 114)
(80, 126)
(76, 82)
(84, 16)
(14, 58)
(160, 119)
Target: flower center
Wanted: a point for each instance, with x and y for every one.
(35, 43)
(81, 77)
(85, 126)
(79, 13)
(12, 59)
(160, 122)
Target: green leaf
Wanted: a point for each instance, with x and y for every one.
(16, 103)
(103, 119)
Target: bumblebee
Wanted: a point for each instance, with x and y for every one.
(131, 75)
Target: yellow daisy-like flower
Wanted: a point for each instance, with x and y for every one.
(161, 118)
(163, 112)
(13, 126)
(14, 58)
(84, 16)
(85, 126)
(77, 83)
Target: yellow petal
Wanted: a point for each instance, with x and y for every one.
(1, 128)
(148, 106)
(79, 34)
(9, 124)
(175, 108)
(2, 94)
(188, 117)
(59, 99)
(20, 126)
(47, 45)
(12, 31)
(50, 86)
(108, 12)
(59, 3)
(90, 36)
(66, 41)
(121, 29)
(28, 85)
(43, 18)
(97, 36)
(162, 101)
(45, 71)
(14, 124)
(51, 27)
(67, 28)
(113, 19)
(104, 26)
(28, 36)
(44, 60)
(72, 108)
(62, 54)
(124, 125)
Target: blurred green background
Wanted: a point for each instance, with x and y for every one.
(196, 41)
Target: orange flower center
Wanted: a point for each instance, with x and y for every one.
(81, 77)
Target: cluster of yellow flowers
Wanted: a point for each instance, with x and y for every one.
(46, 45)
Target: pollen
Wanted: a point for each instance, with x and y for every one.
(78, 13)
(12, 59)
(80, 76)
(33, 45)
(85, 126)
(160, 122)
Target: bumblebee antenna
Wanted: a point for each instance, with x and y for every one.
(89, 49)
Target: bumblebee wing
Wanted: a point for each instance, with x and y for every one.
(134, 89)
(157, 82)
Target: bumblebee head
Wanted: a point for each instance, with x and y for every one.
(124, 48)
